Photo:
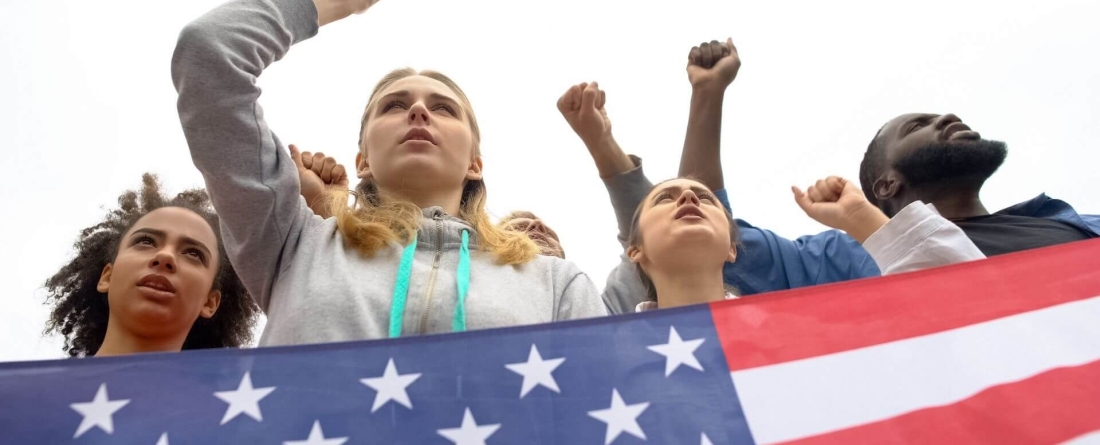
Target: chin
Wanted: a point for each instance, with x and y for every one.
(417, 168)
(152, 313)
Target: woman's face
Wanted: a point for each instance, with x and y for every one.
(417, 133)
(161, 280)
(682, 222)
(539, 232)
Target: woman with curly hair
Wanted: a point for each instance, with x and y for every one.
(151, 277)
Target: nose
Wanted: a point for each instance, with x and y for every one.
(946, 120)
(163, 261)
(418, 114)
(686, 197)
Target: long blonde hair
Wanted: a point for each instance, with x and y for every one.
(372, 221)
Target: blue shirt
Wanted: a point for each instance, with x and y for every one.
(768, 262)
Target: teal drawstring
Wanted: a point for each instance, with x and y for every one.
(463, 283)
(401, 288)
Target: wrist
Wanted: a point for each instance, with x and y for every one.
(609, 158)
(864, 222)
(329, 11)
(601, 145)
(708, 90)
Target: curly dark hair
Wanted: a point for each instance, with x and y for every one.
(80, 311)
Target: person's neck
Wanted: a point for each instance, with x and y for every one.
(119, 341)
(449, 200)
(688, 285)
(951, 201)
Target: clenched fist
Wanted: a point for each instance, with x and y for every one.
(318, 173)
(713, 65)
(583, 108)
(838, 203)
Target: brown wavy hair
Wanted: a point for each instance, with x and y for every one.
(635, 240)
(80, 311)
(372, 221)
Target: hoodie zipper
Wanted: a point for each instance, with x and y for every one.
(431, 278)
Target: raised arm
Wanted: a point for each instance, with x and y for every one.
(249, 174)
(583, 107)
(916, 238)
(711, 69)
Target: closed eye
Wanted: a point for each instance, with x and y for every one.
(144, 240)
(393, 104)
(197, 254)
(445, 107)
(662, 197)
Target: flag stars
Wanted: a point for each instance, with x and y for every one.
(391, 386)
(98, 412)
(620, 418)
(536, 372)
(470, 433)
(317, 437)
(678, 352)
(245, 400)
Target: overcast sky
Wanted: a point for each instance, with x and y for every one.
(88, 104)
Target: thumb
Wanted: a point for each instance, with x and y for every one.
(296, 156)
(802, 199)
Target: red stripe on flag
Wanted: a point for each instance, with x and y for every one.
(807, 322)
(1051, 407)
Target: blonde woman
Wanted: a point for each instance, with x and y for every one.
(415, 254)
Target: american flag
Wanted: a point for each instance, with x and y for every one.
(1004, 350)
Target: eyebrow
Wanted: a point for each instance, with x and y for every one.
(701, 191)
(185, 239)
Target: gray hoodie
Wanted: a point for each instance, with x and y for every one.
(312, 286)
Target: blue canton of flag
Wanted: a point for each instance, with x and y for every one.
(656, 377)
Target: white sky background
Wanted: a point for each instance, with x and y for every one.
(88, 104)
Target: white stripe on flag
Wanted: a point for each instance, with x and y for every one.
(1092, 438)
(836, 391)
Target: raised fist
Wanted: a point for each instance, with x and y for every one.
(583, 108)
(318, 173)
(838, 203)
(713, 65)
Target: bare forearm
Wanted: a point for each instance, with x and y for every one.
(864, 223)
(609, 158)
(702, 155)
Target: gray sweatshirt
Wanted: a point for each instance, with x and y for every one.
(312, 286)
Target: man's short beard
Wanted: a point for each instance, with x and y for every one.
(952, 163)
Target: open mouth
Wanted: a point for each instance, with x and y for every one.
(689, 212)
(419, 134)
(157, 285)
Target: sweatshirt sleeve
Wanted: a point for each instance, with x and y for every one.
(250, 177)
(919, 238)
(623, 289)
